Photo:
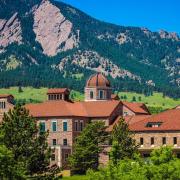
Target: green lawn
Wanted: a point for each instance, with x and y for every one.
(39, 95)
(156, 100)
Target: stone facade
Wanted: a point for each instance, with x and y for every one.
(93, 94)
(171, 138)
(6, 103)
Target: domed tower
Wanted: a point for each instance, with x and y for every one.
(98, 88)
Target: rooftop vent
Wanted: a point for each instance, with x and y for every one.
(153, 124)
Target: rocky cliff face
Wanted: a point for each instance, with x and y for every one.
(10, 31)
(48, 41)
(53, 31)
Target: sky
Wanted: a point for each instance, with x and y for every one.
(153, 14)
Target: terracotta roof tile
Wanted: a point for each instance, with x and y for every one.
(57, 90)
(64, 108)
(170, 120)
(5, 95)
(136, 107)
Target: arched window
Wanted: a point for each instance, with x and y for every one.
(101, 94)
(91, 95)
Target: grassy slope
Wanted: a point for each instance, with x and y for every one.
(40, 95)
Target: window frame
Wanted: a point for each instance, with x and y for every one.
(65, 130)
(152, 141)
(91, 94)
(65, 140)
(54, 144)
(103, 95)
(174, 141)
(52, 122)
(44, 122)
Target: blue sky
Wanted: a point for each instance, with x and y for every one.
(153, 14)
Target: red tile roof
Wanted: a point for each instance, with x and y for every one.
(114, 97)
(57, 90)
(98, 80)
(170, 120)
(5, 95)
(64, 108)
(138, 108)
(128, 119)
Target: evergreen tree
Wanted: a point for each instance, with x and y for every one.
(20, 90)
(134, 99)
(139, 98)
(87, 148)
(23, 139)
(123, 144)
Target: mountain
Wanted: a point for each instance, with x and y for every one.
(49, 43)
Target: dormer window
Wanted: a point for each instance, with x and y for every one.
(2, 105)
(153, 124)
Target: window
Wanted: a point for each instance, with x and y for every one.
(42, 127)
(175, 140)
(53, 157)
(54, 126)
(65, 142)
(141, 141)
(3, 105)
(91, 95)
(164, 140)
(153, 124)
(76, 126)
(64, 126)
(54, 142)
(101, 94)
(152, 141)
(66, 157)
(81, 126)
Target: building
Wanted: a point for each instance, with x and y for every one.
(6, 103)
(66, 119)
(153, 131)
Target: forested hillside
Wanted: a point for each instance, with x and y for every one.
(49, 43)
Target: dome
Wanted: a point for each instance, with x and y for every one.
(98, 80)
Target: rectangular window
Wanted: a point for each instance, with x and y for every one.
(76, 126)
(101, 94)
(175, 140)
(53, 157)
(54, 126)
(141, 141)
(54, 142)
(81, 126)
(65, 142)
(66, 157)
(152, 141)
(42, 126)
(64, 126)
(164, 140)
(2, 105)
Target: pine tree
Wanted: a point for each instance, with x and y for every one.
(87, 147)
(23, 139)
(123, 144)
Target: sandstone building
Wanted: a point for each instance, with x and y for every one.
(66, 119)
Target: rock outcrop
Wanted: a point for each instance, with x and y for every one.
(10, 31)
(93, 61)
(53, 31)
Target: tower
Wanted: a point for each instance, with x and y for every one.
(98, 88)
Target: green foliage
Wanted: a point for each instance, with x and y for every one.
(123, 144)
(161, 165)
(9, 168)
(22, 138)
(86, 148)
(129, 55)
